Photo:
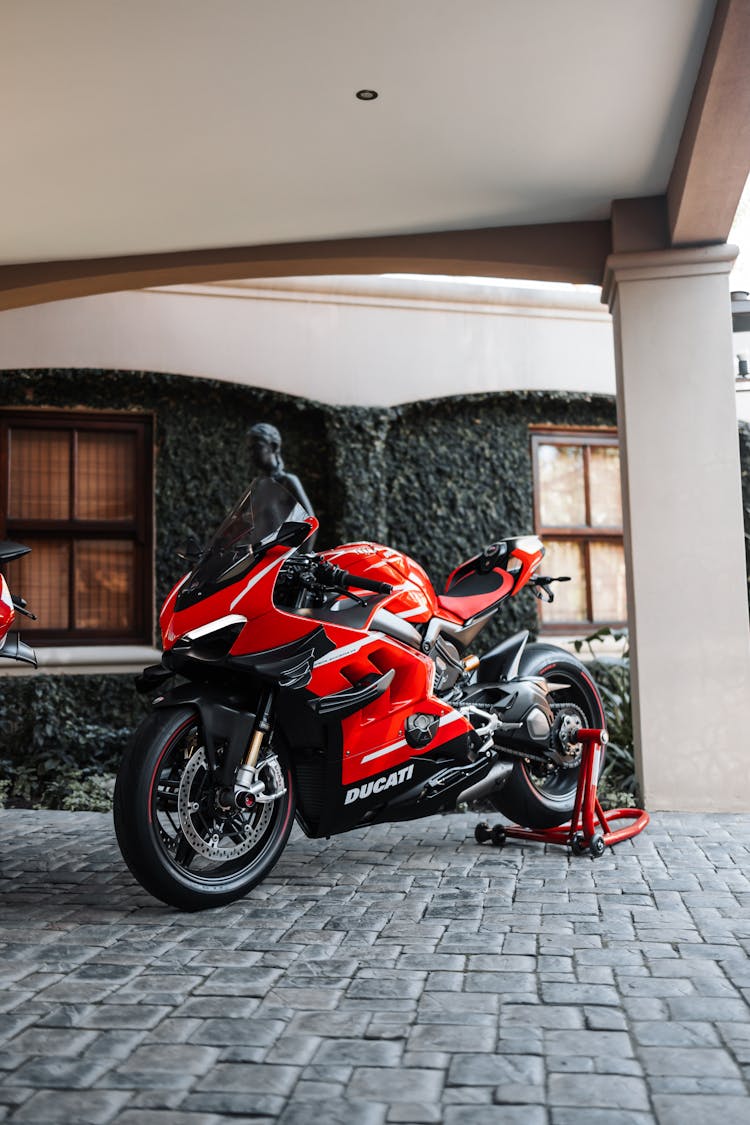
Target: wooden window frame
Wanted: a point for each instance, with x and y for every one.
(139, 530)
(587, 438)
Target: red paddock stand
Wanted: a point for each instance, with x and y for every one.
(589, 830)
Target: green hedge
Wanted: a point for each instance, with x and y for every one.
(59, 734)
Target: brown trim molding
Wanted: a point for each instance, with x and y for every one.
(639, 224)
(574, 252)
(713, 158)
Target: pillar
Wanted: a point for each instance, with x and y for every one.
(688, 612)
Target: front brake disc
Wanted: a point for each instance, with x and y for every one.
(209, 832)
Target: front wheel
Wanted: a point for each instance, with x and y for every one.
(543, 797)
(176, 837)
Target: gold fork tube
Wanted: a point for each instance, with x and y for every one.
(253, 750)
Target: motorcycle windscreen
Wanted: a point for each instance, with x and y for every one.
(265, 516)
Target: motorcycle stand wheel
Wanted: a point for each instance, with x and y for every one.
(597, 846)
(496, 836)
(578, 845)
(482, 832)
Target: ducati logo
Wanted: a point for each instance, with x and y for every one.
(358, 792)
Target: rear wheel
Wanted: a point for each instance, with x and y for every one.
(544, 796)
(176, 837)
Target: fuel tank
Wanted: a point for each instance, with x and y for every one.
(413, 597)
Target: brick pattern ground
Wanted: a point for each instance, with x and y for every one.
(400, 974)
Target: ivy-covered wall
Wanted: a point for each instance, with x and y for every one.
(459, 476)
(201, 457)
(435, 479)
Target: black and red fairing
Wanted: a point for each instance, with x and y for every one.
(341, 648)
(11, 645)
(354, 673)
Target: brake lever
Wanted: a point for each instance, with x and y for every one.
(543, 594)
(20, 606)
(345, 590)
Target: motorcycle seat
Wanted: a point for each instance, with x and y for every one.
(476, 593)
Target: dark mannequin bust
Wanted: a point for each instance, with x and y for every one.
(265, 451)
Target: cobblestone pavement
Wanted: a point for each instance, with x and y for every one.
(400, 974)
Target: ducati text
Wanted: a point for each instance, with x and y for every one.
(358, 792)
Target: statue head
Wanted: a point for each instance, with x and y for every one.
(265, 447)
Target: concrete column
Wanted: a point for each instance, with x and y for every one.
(690, 638)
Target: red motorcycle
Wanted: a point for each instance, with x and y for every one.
(11, 645)
(336, 688)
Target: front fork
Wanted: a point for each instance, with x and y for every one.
(262, 727)
(250, 785)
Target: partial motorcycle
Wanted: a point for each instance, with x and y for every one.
(341, 690)
(11, 645)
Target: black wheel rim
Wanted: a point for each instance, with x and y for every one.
(176, 847)
(558, 783)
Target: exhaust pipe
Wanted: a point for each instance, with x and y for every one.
(495, 779)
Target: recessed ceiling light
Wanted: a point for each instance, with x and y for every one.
(367, 95)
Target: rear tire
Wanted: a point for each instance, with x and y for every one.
(545, 802)
(150, 833)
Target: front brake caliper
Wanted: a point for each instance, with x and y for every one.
(264, 782)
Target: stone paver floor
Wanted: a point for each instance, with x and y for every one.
(400, 974)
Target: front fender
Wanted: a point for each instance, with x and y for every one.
(223, 719)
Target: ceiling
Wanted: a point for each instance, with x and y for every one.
(170, 125)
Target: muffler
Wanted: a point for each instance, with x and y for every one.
(490, 783)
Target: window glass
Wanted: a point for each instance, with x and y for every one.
(562, 491)
(604, 486)
(566, 557)
(39, 463)
(105, 575)
(43, 579)
(80, 494)
(579, 516)
(608, 592)
(105, 476)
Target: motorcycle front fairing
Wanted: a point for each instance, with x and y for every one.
(349, 675)
(11, 645)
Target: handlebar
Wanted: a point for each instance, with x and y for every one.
(343, 578)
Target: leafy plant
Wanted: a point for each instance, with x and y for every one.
(51, 749)
(88, 794)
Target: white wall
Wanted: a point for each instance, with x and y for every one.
(354, 340)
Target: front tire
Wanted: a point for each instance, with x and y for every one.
(163, 770)
(547, 799)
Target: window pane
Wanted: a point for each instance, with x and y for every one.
(105, 476)
(566, 556)
(39, 475)
(42, 578)
(562, 496)
(610, 601)
(604, 481)
(105, 585)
